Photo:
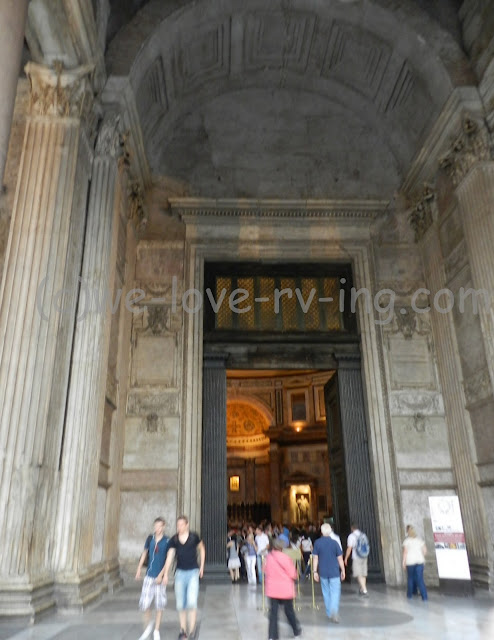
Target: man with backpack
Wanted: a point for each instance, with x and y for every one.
(358, 546)
(154, 555)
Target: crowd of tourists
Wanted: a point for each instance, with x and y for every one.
(269, 554)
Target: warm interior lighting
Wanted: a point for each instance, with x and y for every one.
(234, 483)
(298, 424)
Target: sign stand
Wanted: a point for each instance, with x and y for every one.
(450, 547)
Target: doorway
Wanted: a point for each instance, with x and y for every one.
(277, 448)
(267, 349)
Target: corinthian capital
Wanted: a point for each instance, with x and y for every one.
(60, 92)
(470, 146)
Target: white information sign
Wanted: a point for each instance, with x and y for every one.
(449, 538)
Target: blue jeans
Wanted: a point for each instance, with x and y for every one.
(415, 580)
(259, 569)
(331, 592)
(186, 588)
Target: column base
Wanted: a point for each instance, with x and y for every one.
(113, 578)
(216, 573)
(375, 575)
(28, 601)
(73, 592)
(482, 575)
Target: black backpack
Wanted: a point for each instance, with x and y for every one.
(148, 543)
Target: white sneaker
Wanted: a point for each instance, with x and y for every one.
(156, 635)
(147, 631)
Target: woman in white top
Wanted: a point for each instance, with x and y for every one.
(414, 551)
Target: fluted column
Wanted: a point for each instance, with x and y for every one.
(356, 451)
(213, 492)
(250, 481)
(274, 467)
(85, 407)
(36, 327)
(12, 24)
(457, 417)
(476, 199)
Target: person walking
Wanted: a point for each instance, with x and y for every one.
(233, 557)
(280, 575)
(250, 558)
(414, 552)
(184, 545)
(306, 547)
(155, 550)
(358, 546)
(262, 544)
(329, 570)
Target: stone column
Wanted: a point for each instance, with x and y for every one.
(250, 481)
(356, 451)
(213, 493)
(475, 195)
(36, 324)
(457, 417)
(12, 24)
(85, 406)
(274, 468)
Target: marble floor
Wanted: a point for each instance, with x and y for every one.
(235, 612)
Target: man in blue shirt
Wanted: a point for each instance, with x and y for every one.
(155, 549)
(329, 570)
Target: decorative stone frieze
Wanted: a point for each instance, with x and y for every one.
(407, 322)
(417, 423)
(152, 423)
(403, 403)
(472, 145)
(60, 92)
(158, 319)
(191, 209)
(424, 212)
(164, 402)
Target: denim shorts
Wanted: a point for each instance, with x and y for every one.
(186, 588)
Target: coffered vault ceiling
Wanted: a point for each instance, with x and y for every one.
(297, 99)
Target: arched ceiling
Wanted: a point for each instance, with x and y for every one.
(289, 98)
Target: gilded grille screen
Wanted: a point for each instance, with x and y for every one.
(278, 304)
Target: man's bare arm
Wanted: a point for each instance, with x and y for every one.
(342, 567)
(202, 553)
(163, 576)
(347, 554)
(141, 564)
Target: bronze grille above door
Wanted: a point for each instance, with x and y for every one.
(278, 300)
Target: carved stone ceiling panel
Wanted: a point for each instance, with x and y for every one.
(361, 82)
(256, 143)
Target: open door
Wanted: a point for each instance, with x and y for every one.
(339, 489)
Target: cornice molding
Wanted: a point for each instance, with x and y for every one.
(118, 91)
(424, 166)
(204, 210)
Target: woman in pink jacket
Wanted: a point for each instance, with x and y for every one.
(280, 575)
